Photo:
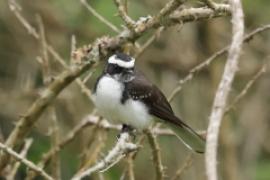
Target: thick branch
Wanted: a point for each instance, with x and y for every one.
(194, 14)
(224, 89)
(181, 16)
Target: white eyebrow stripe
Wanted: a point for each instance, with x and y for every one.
(121, 63)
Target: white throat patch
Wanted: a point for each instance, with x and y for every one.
(114, 60)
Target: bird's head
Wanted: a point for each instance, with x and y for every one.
(120, 64)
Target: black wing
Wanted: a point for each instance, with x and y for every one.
(143, 90)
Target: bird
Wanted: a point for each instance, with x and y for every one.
(123, 94)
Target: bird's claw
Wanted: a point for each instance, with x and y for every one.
(127, 129)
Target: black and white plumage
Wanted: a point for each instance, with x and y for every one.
(123, 94)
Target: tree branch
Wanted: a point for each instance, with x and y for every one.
(195, 14)
(100, 17)
(123, 14)
(130, 169)
(119, 151)
(210, 4)
(187, 163)
(66, 140)
(23, 153)
(26, 162)
(156, 155)
(209, 60)
(245, 89)
(219, 104)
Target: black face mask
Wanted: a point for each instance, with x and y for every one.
(113, 69)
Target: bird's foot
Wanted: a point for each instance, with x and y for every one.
(128, 129)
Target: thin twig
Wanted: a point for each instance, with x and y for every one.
(86, 154)
(55, 162)
(209, 60)
(101, 176)
(149, 42)
(167, 10)
(1, 135)
(27, 121)
(73, 45)
(125, 3)
(162, 18)
(130, 169)
(210, 4)
(45, 57)
(100, 17)
(46, 68)
(223, 90)
(26, 162)
(119, 151)
(66, 140)
(60, 60)
(14, 8)
(87, 77)
(106, 125)
(156, 155)
(123, 14)
(133, 156)
(93, 155)
(194, 70)
(84, 88)
(187, 163)
(245, 89)
(23, 153)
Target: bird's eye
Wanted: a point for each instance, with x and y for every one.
(118, 69)
(114, 69)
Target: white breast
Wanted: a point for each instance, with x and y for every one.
(108, 96)
(108, 102)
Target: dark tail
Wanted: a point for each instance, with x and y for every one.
(189, 137)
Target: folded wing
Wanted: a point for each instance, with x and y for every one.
(142, 89)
